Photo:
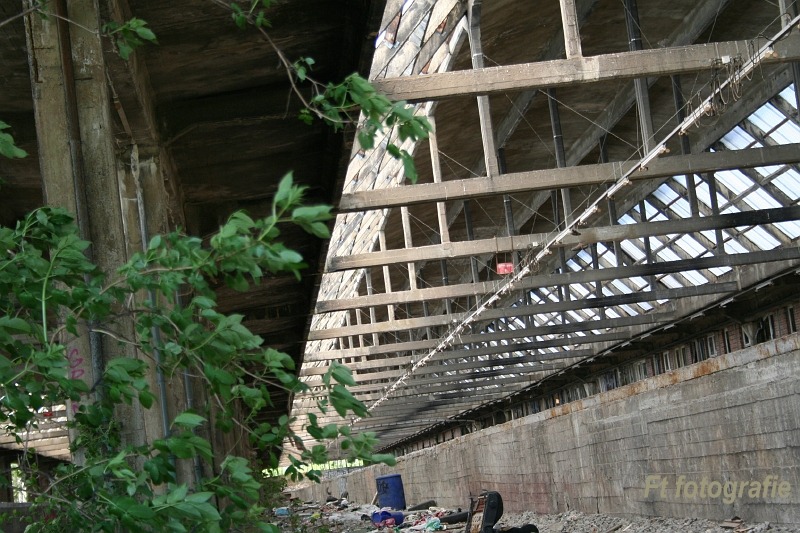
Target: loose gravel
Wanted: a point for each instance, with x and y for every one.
(350, 519)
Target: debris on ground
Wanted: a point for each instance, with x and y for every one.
(342, 516)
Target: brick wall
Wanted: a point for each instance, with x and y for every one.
(731, 419)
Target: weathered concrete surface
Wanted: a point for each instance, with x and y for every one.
(731, 419)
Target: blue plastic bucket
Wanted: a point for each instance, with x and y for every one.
(390, 491)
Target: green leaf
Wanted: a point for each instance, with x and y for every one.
(189, 420)
(146, 398)
(284, 189)
(15, 324)
(342, 374)
(7, 146)
(146, 34)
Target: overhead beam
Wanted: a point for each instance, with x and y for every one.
(586, 236)
(475, 350)
(477, 375)
(368, 393)
(552, 280)
(555, 178)
(527, 310)
(447, 364)
(561, 72)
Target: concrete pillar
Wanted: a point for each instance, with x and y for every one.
(82, 172)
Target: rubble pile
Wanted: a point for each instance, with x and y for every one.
(343, 517)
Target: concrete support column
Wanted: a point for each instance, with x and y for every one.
(476, 48)
(81, 170)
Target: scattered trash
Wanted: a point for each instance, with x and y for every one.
(281, 511)
(733, 523)
(385, 518)
(422, 506)
(485, 512)
(457, 517)
(434, 524)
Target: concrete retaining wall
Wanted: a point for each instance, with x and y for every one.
(730, 420)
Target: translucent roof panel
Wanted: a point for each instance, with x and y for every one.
(761, 199)
(738, 139)
(789, 183)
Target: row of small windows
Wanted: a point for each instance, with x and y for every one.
(730, 339)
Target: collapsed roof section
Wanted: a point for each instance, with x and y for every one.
(599, 169)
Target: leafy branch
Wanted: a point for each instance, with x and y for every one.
(46, 278)
(339, 104)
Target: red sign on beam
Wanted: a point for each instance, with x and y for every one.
(505, 268)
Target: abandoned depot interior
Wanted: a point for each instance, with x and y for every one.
(596, 278)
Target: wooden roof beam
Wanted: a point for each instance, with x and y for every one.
(527, 310)
(554, 178)
(550, 280)
(586, 236)
(561, 72)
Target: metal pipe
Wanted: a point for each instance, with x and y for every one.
(558, 143)
(677, 96)
(639, 84)
(151, 295)
(613, 219)
(712, 191)
(473, 261)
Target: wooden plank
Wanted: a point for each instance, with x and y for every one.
(556, 178)
(561, 72)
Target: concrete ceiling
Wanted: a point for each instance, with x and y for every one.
(214, 104)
